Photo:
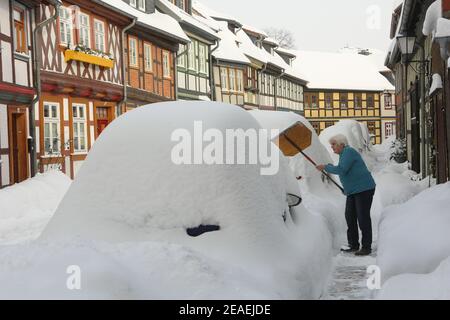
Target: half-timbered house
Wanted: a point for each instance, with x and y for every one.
(151, 46)
(343, 86)
(193, 60)
(16, 89)
(228, 61)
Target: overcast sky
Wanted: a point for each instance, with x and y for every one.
(324, 25)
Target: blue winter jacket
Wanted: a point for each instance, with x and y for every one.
(352, 171)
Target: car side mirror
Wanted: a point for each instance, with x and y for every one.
(293, 200)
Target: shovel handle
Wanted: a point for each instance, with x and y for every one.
(313, 162)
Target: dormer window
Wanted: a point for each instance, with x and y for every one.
(180, 4)
(139, 4)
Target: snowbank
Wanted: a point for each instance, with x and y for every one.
(431, 286)
(128, 211)
(25, 208)
(414, 237)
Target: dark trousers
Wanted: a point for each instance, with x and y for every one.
(357, 211)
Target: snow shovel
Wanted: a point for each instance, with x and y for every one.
(294, 140)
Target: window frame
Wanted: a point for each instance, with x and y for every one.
(50, 120)
(77, 121)
(202, 59)
(343, 100)
(166, 64)
(224, 76)
(82, 14)
(133, 60)
(21, 48)
(67, 22)
(357, 97)
(96, 45)
(239, 80)
(372, 105)
(148, 57)
(232, 79)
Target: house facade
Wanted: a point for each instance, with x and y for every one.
(16, 89)
(419, 58)
(193, 59)
(150, 56)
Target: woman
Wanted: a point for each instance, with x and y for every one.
(359, 187)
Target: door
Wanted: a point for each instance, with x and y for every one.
(440, 139)
(18, 145)
(102, 119)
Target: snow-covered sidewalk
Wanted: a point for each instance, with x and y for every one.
(26, 208)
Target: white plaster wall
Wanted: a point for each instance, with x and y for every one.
(3, 126)
(4, 21)
(6, 61)
(5, 169)
(76, 167)
(21, 72)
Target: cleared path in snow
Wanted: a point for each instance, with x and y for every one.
(349, 278)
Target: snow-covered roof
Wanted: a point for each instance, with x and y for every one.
(271, 41)
(183, 17)
(436, 83)
(345, 71)
(228, 49)
(156, 21)
(204, 10)
(254, 30)
(442, 28)
(285, 51)
(434, 12)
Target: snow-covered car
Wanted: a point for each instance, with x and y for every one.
(195, 230)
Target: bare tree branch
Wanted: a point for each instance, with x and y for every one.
(284, 37)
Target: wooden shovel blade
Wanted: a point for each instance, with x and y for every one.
(299, 134)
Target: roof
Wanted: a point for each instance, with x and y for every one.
(228, 49)
(156, 21)
(432, 16)
(286, 52)
(270, 40)
(214, 14)
(183, 17)
(344, 71)
(254, 30)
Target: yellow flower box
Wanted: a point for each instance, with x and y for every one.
(84, 57)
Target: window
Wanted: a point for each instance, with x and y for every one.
(371, 127)
(166, 64)
(202, 58)
(224, 78)
(240, 80)
(370, 101)
(51, 128)
(79, 128)
(148, 62)
(85, 30)
(141, 5)
(133, 3)
(20, 38)
(179, 4)
(389, 129)
(314, 100)
(343, 100)
(182, 56)
(232, 80)
(65, 26)
(249, 77)
(329, 124)
(388, 101)
(99, 31)
(358, 100)
(192, 61)
(133, 52)
(328, 100)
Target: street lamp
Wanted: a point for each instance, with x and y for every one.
(406, 44)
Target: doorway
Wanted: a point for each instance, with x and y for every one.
(18, 135)
(103, 119)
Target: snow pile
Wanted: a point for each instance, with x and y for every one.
(432, 16)
(442, 28)
(431, 286)
(414, 237)
(25, 208)
(356, 133)
(436, 83)
(124, 221)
